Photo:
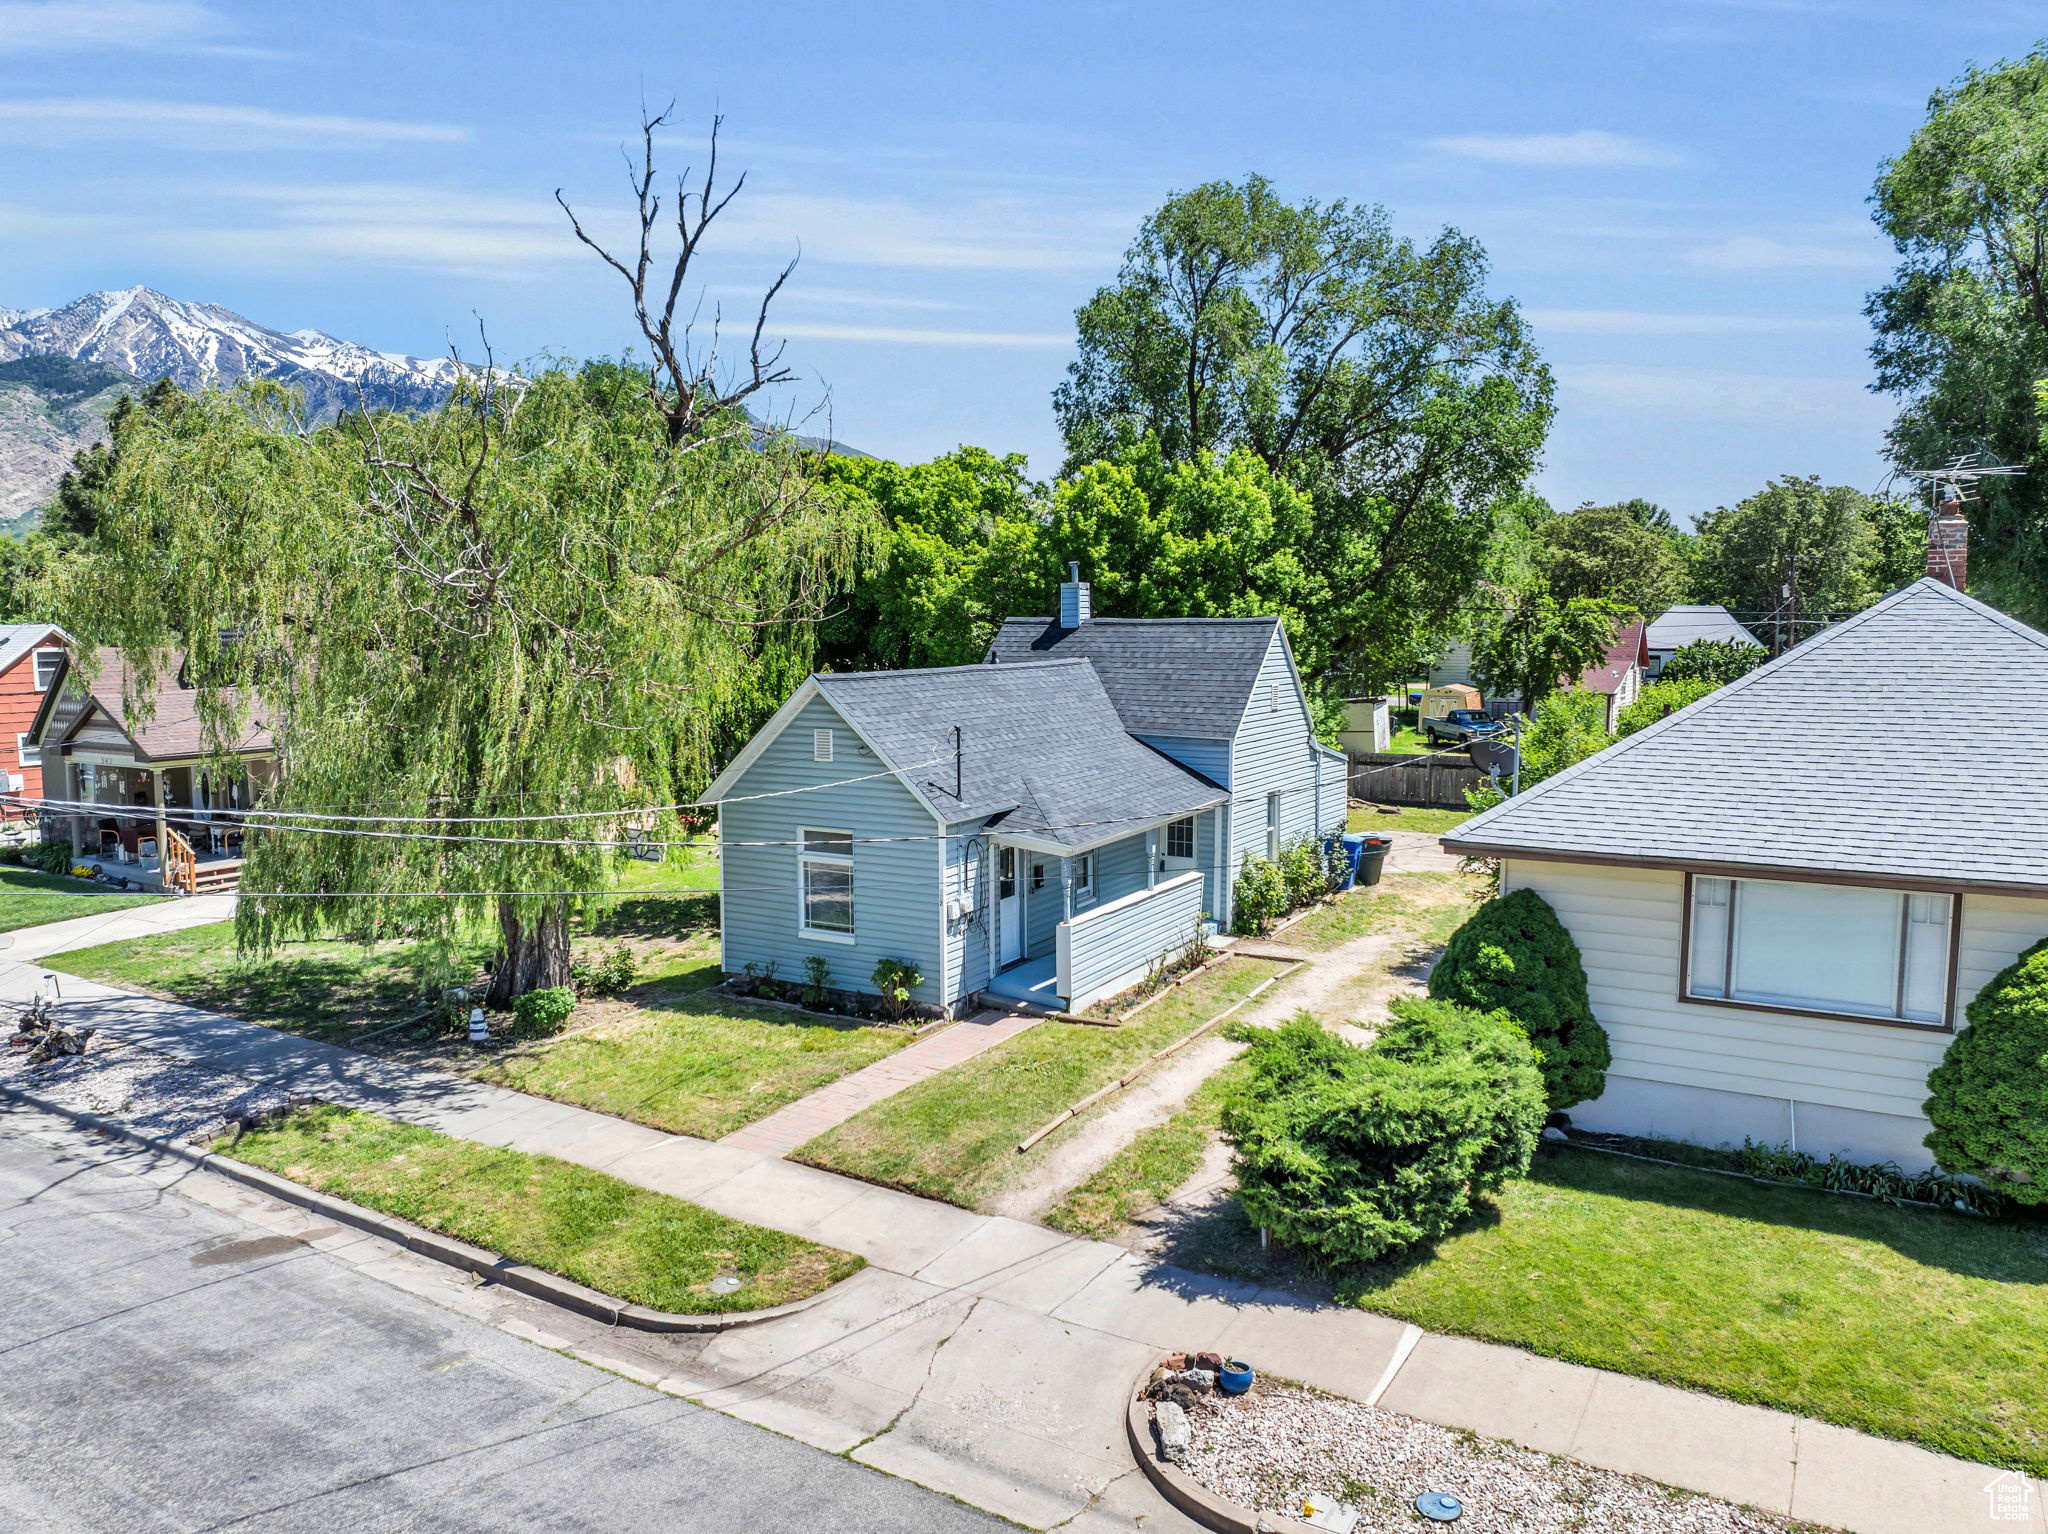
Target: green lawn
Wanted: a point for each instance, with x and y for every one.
(28, 899)
(1410, 818)
(954, 1136)
(624, 1240)
(692, 1065)
(329, 990)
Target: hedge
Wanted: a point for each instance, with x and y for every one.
(1989, 1105)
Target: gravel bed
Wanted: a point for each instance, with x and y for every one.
(155, 1093)
(1269, 1448)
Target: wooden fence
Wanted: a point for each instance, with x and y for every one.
(1393, 778)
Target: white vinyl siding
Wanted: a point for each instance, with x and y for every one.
(1627, 923)
(1839, 948)
(1274, 753)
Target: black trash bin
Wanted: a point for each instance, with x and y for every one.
(1372, 857)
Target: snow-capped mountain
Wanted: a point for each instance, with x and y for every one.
(198, 346)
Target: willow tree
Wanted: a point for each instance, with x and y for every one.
(529, 602)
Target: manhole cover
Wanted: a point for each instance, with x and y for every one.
(728, 1283)
(1440, 1506)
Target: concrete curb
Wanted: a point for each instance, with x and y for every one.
(1183, 1490)
(537, 1282)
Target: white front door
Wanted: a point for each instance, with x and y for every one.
(1009, 905)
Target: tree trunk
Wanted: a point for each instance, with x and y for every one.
(534, 954)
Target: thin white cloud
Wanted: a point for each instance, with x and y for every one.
(1587, 148)
(52, 26)
(905, 336)
(198, 126)
(1791, 250)
(1695, 394)
(984, 232)
(1639, 322)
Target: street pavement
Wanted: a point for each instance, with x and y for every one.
(165, 1365)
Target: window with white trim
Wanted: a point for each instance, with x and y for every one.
(825, 883)
(1084, 875)
(1842, 949)
(47, 662)
(26, 754)
(821, 745)
(1272, 828)
(1180, 839)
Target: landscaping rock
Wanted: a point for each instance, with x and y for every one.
(1175, 1437)
(153, 1093)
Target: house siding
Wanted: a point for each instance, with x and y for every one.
(1211, 758)
(898, 907)
(1111, 948)
(1274, 752)
(969, 874)
(19, 701)
(1627, 924)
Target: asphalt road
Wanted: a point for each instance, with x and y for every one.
(164, 1366)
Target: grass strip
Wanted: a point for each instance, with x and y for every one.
(954, 1135)
(613, 1236)
(1146, 1172)
(30, 899)
(1406, 818)
(1426, 907)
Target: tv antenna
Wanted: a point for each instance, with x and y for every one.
(1957, 480)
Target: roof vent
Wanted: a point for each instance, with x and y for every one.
(1073, 598)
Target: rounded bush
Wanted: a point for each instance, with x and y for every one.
(539, 1013)
(1989, 1102)
(1349, 1153)
(1514, 956)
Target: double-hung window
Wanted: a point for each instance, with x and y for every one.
(1180, 840)
(1839, 949)
(26, 754)
(1084, 876)
(825, 885)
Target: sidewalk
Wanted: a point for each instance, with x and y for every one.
(174, 915)
(896, 1368)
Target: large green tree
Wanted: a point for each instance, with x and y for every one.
(1796, 532)
(1611, 553)
(1376, 374)
(1962, 329)
(526, 602)
(1534, 644)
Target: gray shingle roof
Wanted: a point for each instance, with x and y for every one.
(1039, 740)
(1189, 677)
(1682, 625)
(1904, 742)
(17, 639)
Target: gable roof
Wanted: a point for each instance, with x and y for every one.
(1040, 744)
(1187, 677)
(173, 731)
(17, 639)
(1630, 648)
(1849, 754)
(1683, 625)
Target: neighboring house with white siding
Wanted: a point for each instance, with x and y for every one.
(1046, 826)
(1676, 627)
(1786, 893)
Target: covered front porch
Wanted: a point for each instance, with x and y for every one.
(1076, 925)
(170, 826)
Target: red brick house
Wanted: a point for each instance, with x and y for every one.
(30, 658)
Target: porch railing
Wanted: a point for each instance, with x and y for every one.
(181, 863)
(1114, 946)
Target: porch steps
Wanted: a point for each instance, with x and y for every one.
(217, 878)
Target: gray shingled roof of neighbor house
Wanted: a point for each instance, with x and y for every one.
(1040, 740)
(1683, 625)
(1905, 742)
(17, 639)
(1190, 677)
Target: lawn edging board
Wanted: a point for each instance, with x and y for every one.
(529, 1280)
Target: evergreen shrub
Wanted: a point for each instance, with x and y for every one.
(1347, 1153)
(1989, 1095)
(1515, 956)
(540, 1013)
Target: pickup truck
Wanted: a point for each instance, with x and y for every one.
(1459, 726)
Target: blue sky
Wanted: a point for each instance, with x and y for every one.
(1675, 192)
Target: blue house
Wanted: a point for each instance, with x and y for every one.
(1046, 826)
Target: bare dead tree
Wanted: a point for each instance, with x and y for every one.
(685, 382)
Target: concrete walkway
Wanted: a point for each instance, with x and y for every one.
(931, 1364)
(173, 915)
(836, 1102)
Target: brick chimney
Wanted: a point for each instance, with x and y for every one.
(1948, 544)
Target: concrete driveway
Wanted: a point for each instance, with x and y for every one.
(166, 1366)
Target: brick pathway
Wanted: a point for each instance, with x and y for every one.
(808, 1117)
